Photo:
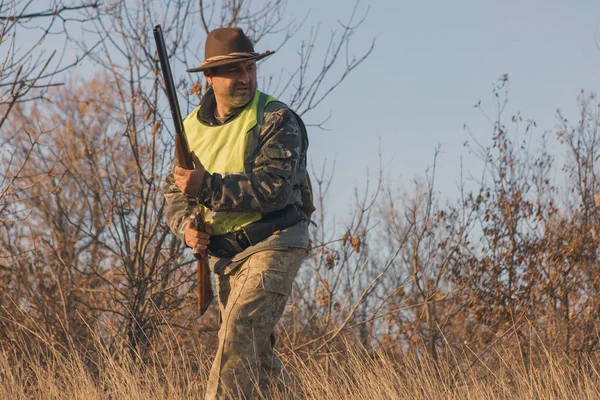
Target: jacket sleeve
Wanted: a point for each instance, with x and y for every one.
(179, 207)
(268, 185)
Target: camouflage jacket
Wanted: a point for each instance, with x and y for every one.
(275, 167)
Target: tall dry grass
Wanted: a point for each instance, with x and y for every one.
(352, 372)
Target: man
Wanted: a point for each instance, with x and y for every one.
(249, 152)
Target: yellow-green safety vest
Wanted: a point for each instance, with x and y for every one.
(222, 149)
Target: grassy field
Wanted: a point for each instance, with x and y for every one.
(347, 374)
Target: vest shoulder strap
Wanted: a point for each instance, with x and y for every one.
(260, 114)
(260, 108)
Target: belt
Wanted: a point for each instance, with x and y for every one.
(230, 244)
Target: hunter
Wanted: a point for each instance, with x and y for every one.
(249, 152)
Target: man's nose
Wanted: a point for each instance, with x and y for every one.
(244, 76)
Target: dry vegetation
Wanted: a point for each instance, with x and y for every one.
(495, 294)
(351, 373)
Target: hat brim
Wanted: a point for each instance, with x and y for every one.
(229, 61)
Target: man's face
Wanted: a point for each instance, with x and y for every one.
(234, 84)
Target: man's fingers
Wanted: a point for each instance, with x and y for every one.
(199, 235)
(199, 248)
(195, 235)
(180, 171)
(193, 242)
(194, 238)
(189, 181)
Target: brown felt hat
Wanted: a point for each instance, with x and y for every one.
(227, 46)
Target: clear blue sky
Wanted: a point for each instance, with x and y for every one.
(432, 62)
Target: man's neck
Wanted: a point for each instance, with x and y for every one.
(220, 119)
(221, 112)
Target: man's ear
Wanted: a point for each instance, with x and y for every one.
(208, 76)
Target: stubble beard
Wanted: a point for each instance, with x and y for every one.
(241, 98)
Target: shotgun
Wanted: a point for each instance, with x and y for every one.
(184, 159)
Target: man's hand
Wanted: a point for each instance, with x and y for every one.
(196, 239)
(189, 181)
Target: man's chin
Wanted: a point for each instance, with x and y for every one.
(241, 99)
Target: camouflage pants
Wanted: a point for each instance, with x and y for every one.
(252, 298)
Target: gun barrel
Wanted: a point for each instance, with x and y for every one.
(182, 153)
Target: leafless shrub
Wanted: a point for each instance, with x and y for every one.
(95, 249)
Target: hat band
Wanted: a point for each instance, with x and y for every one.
(229, 56)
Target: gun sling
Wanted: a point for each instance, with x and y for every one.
(230, 244)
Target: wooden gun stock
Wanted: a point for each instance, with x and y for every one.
(205, 292)
(184, 159)
(182, 154)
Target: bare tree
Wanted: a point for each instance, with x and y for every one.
(104, 253)
(34, 44)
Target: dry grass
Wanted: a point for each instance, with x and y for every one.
(349, 374)
(362, 376)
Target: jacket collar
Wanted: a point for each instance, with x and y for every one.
(206, 113)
